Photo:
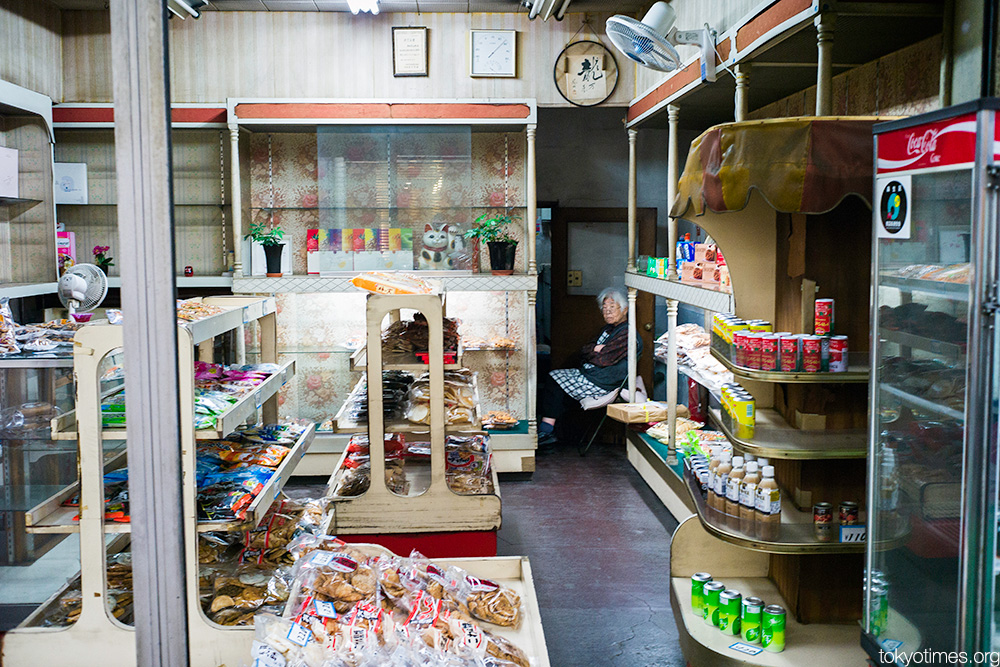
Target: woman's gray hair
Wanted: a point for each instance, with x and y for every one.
(615, 294)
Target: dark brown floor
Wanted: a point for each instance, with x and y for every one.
(598, 540)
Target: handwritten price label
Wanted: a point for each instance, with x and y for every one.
(746, 648)
(265, 656)
(854, 534)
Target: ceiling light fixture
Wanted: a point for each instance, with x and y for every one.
(363, 6)
(185, 8)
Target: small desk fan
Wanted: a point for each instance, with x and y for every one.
(652, 42)
(81, 289)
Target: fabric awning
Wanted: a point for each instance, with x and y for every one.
(799, 165)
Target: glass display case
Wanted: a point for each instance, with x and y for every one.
(932, 459)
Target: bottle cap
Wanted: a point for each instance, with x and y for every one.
(762, 462)
(751, 466)
(768, 471)
(737, 461)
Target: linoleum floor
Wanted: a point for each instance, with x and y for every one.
(599, 544)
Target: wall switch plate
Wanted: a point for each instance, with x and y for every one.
(574, 278)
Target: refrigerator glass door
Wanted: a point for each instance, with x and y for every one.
(922, 300)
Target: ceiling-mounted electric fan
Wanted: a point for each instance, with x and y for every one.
(652, 41)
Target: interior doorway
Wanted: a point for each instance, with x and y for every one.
(594, 243)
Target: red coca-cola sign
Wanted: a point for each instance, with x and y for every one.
(944, 143)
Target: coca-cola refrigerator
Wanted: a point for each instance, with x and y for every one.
(932, 562)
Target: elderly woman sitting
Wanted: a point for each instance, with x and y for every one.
(603, 368)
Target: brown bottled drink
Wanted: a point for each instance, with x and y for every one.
(768, 505)
(733, 487)
(722, 480)
(748, 497)
(713, 465)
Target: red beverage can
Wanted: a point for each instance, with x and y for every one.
(769, 352)
(838, 354)
(752, 344)
(789, 353)
(824, 317)
(739, 347)
(812, 354)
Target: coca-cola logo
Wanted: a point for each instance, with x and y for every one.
(920, 144)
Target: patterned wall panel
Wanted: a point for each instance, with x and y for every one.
(30, 46)
(31, 227)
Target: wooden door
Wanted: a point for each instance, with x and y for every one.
(577, 318)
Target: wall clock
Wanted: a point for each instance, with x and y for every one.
(586, 73)
(493, 53)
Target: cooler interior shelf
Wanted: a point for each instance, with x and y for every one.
(950, 291)
(795, 534)
(815, 645)
(774, 438)
(51, 517)
(64, 427)
(937, 347)
(922, 404)
(856, 372)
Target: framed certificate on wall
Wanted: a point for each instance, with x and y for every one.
(409, 51)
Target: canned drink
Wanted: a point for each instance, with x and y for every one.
(824, 317)
(838, 354)
(739, 348)
(760, 326)
(849, 514)
(744, 412)
(878, 615)
(772, 632)
(750, 619)
(769, 352)
(823, 522)
(698, 581)
(753, 350)
(729, 612)
(713, 589)
(824, 353)
(788, 353)
(812, 352)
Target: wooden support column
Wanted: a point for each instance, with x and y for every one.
(531, 364)
(632, 351)
(742, 92)
(532, 201)
(673, 115)
(237, 203)
(633, 194)
(672, 379)
(824, 66)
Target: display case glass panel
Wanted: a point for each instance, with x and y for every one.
(922, 299)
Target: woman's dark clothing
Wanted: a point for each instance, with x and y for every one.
(599, 373)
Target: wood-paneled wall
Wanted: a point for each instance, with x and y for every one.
(330, 54)
(30, 46)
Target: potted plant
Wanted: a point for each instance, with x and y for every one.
(269, 237)
(491, 229)
(102, 258)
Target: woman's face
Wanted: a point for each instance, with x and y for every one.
(613, 313)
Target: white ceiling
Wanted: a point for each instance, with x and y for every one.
(625, 6)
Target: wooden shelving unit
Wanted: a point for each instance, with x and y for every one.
(773, 437)
(857, 371)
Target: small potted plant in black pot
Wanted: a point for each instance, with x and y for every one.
(269, 237)
(491, 229)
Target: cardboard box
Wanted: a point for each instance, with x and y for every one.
(8, 172)
(710, 273)
(809, 422)
(638, 413)
(705, 252)
(688, 273)
(65, 250)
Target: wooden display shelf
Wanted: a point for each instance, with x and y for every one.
(815, 644)
(900, 634)
(64, 427)
(856, 372)
(452, 281)
(705, 296)
(649, 458)
(943, 290)
(20, 290)
(18, 201)
(774, 438)
(795, 533)
(937, 347)
(51, 517)
(922, 404)
(401, 361)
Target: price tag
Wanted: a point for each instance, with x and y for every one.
(854, 534)
(256, 399)
(299, 635)
(265, 656)
(325, 609)
(246, 315)
(891, 645)
(740, 647)
(284, 377)
(322, 559)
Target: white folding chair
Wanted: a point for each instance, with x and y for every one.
(601, 402)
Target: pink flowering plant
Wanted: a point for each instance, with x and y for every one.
(102, 258)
